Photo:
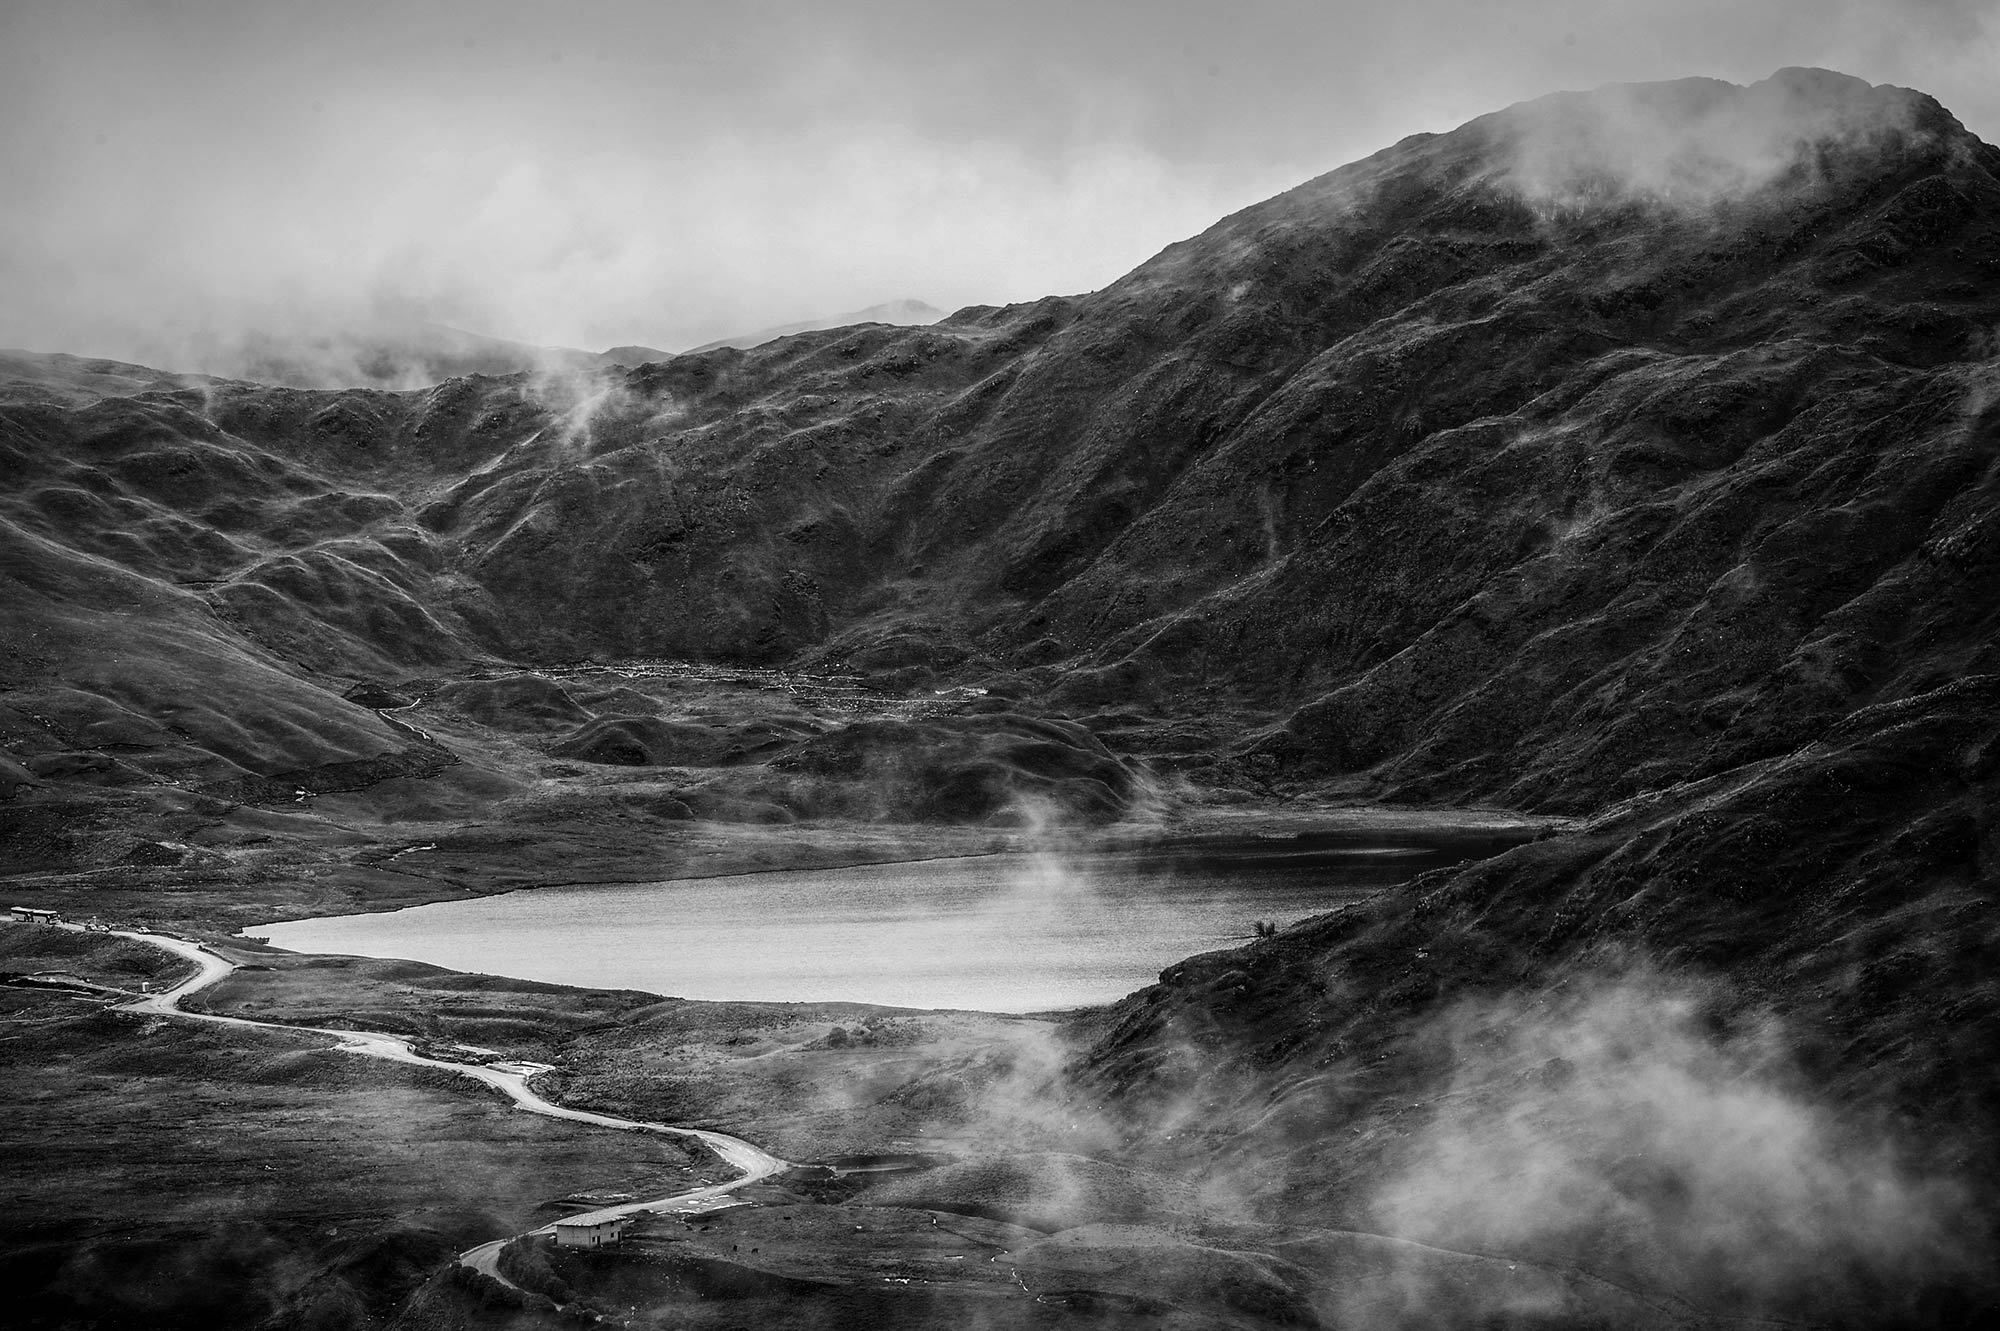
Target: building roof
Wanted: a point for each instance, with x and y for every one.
(591, 1219)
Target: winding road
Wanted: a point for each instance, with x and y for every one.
(511, 1079)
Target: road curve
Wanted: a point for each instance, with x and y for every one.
(511, 1079)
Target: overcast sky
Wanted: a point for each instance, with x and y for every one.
(594, 174)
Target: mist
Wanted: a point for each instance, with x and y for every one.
(180, 179)
(1653, 1129)
(1695, 144)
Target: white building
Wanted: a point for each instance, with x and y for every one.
(592, 1229)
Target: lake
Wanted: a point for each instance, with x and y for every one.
(996, 933)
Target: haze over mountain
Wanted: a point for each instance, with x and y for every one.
(401, 354)
(618, 173)
(900, 312)
(394, 354)
(1631, 455)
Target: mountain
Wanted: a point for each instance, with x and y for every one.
(1444, 476)
(630, 355)
(902, 313)
(1436, 477)
(1630, 455)
(384, 354)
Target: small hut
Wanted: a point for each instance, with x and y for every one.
(592, 1229)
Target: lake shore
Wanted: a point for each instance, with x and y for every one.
(1049, 920)
(332, 1182)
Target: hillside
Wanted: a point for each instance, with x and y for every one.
(1728, 1041)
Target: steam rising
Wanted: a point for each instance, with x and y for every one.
(588, 405)
(1613, 1126)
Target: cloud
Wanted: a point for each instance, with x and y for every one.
(1694, 143)
(1622, 1124)
(590, 250)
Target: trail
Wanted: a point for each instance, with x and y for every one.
(510, 1078)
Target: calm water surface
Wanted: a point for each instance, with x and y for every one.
(999, 933)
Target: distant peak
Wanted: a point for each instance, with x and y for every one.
(905, 312)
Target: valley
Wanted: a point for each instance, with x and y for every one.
(1582, 527)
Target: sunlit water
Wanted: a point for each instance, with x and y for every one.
(998, 933)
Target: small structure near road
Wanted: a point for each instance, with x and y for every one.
(34, 915)
(592, 1229)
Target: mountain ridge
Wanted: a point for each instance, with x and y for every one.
(1150, 484)
(903, 312)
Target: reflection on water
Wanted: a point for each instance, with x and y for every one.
(1000, 933)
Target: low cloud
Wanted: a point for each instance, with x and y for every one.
(1625, 1126)
(1698, 142)
(365, 250)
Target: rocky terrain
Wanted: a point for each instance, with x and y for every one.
(1628, 456)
